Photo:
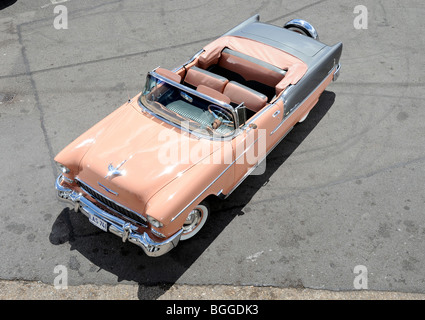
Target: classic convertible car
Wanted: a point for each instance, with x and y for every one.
(148, 171)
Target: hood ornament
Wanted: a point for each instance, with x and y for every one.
(115, 171)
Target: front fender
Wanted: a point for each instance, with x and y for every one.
(172, 204)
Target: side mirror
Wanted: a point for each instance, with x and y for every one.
(241, 113)
(252, 126)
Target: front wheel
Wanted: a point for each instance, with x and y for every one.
(195, 220)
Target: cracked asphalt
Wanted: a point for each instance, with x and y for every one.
(343, 189)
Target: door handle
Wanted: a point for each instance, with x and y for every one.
(276, 113)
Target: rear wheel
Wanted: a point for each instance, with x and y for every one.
(302, 27)
(195, 220)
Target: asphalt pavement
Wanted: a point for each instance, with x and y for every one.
(339, 208)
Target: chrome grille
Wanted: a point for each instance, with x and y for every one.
(126, 213)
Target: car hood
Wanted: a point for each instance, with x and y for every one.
(148, 154)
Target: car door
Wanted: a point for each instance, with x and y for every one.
(251, 146)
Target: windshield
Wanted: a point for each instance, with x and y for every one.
(186, 109)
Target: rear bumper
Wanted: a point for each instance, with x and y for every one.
(126, 231)
(337, 71)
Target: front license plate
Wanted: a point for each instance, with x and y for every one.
(103, 225)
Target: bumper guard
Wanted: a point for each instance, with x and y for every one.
(337, 72)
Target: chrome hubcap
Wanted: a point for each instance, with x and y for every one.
(192, 221)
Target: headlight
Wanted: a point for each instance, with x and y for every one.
(62, 168)
(155, 222)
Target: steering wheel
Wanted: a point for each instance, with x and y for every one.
(222, 114)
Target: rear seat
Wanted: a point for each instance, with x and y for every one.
(238, 93)
(196, 76)
(251, 68)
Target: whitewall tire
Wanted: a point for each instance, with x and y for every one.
(195, 220)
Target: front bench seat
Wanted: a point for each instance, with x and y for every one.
(196, 76)
(238, 93)
(213, 93)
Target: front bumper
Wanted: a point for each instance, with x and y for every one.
(124, 230)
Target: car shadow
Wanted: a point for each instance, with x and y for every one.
(7, 3)
(156, 275)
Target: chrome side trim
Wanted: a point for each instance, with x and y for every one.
(278, 126)
(283, 121)
(244, 177)
(301, 103)
(257, 165)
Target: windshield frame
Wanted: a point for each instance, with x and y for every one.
(199, 95)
